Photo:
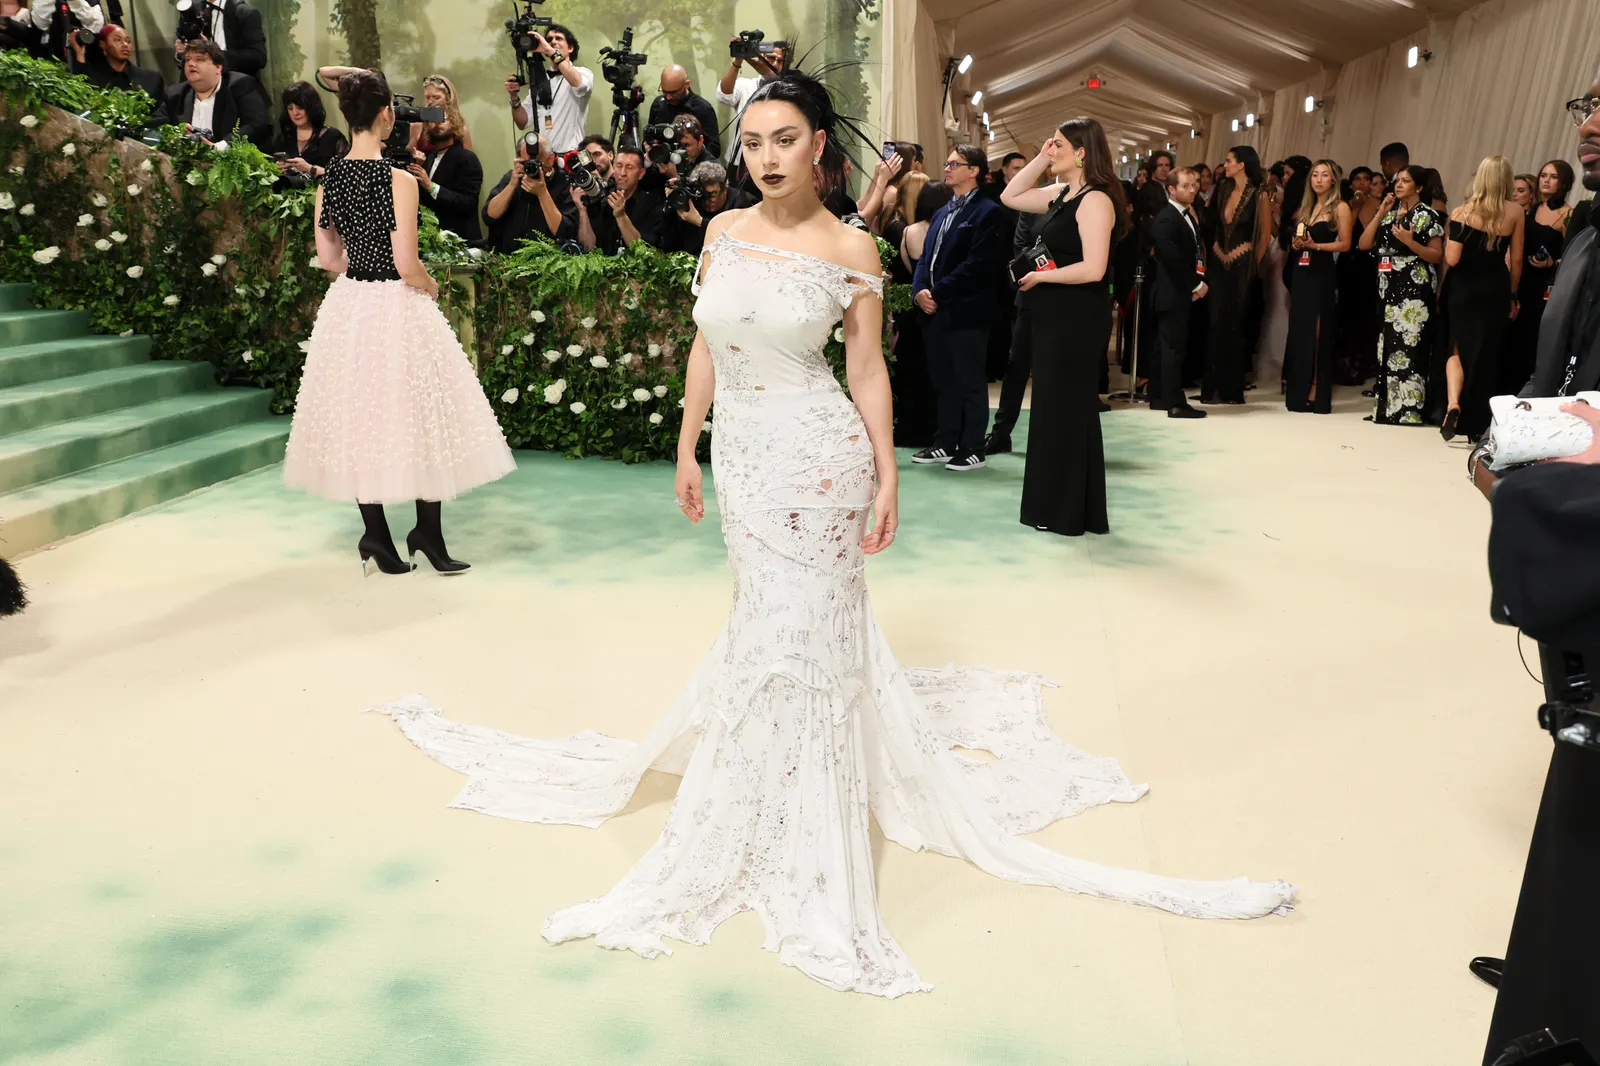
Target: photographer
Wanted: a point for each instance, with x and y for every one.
(706, 195)
(629, 214)
(533, 197)
(600, 152)
(678, 99)
(210, 101)
(235, 27)
(735, 92)
(53, 38)
(119, 72)
(449, 175)
(564, 120)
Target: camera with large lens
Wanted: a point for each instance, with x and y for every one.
(397, 146)
(661, 144)
(751, 44)
(584, 175)
(621, 72)
(687, 191)
(194, 19)
(523, 27)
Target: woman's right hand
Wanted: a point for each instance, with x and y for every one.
(686, 490)
(1387, 205)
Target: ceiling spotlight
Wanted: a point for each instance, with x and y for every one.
(965, 64)
(1311, 104)
(1249, 120)
(1124, 158)
(986, 120)
(1193, 133)
(977, 98)
(991, 135)
(1236, 125)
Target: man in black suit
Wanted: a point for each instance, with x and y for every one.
(678, 98)
(631, 213)
(1020, 366)
(954, 288)
(1149, 200)
(213, 99)
(118, 71)
(449, 175)
(534, 197)
(235, 27)
(1179, 258)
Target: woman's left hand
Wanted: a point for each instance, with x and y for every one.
(885, 520)
(1029, 280)
(1591, 454)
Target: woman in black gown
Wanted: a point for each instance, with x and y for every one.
(1242, 227)
(1481, 294)
(915, 404)
(1064, 484)
(1544, 240)
(1324, 228)
(1357, 357)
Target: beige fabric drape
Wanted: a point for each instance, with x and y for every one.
(1497, 81)
(913, 76)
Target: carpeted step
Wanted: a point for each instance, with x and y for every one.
(31, 327)
(16, 296)
(27, 363)
(43, 514)
(44, 403)
(68, 447)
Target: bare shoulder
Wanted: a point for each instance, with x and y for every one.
(720, 222)
(858, 251)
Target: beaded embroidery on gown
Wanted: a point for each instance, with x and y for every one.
(800, 722)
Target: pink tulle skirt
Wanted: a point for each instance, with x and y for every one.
(389, 407)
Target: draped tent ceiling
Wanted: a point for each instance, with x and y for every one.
(1167, 65)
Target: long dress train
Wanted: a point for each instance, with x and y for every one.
(799, 723)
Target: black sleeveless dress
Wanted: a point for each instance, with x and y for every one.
(1313, 300)
(916, 406)
(1064, 484)
(1539, 241)
(1479, 296)
(1235, 326)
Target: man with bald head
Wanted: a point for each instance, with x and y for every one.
(678, 98)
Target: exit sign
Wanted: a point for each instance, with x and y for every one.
(1093, 83)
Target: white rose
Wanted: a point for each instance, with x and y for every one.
(626, 359)
(25, 209)
(219, 259)
(135, 272)
(660, 391)
(838, 334)
(528, 339)
(314, 261)
(18, 171)
(653, 351)
(248, 354)
(134, 190)
(552, 356)
(509, 396)
(617, 405)
(507, 349)
(171, 301)
(85, 220)
(705, 427)
(680, 403)
(98, 200)
(577, 407)
(69, 149)
(587, 322)
(195, 178)
(475, 253)
(29, 121)
(126, 333)
(118, 236)
(6, 201)
(599, 362)
(102, 245)
(537, 316)
(208, 269)
(574, 350)
(241, 292)
(304, 346)
(641, 395)
(656, 419)
(46, 255)
(552, 393)
(148, 167)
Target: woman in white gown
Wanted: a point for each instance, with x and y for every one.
(799, 723)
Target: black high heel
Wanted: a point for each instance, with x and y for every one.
(1447, 429)
(383, 554)
(428, 538)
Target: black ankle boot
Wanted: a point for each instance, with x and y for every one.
(428, 538)
(376, 544)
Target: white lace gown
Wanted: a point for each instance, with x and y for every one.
(800, 723)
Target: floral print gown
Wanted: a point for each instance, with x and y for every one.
(1406, 295)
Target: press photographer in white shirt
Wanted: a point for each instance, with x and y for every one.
(570, 87)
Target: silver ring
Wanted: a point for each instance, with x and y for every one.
(890, 533)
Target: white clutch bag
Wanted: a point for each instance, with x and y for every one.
(1529, 430)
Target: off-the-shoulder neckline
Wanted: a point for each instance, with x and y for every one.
(790, 253)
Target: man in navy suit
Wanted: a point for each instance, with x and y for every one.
(954, 288)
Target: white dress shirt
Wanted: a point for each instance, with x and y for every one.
(739, 99)
(203, 112)
(89, 16)
(564, 121)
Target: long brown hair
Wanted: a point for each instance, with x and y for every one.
(1328, 201)
(905, 202)
(1087, 135)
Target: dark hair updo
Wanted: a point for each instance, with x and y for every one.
(812, 98)
(363, 94)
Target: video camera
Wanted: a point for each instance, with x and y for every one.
(194, 19)
(523, 28)
(397, 146)
(621, 71)
(751, 44)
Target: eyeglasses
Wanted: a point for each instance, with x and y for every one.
(958, 163)
(1582, 108)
